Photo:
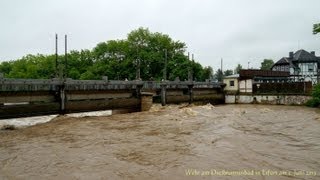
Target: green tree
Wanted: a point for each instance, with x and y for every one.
(228, 72)
(147, 50)
(237, 69)
(117, 59)
(178, 67)
(219, 75)
(207, 73)
(316, 28)
(5, 68)
(266, 64)
(88, 75)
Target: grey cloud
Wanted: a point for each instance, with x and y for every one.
(236, 30)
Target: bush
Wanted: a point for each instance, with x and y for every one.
(316, 91)
(314, 102)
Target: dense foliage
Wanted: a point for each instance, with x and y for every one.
(237, 69)
(315, 101)
(117, 59)
(219, 75)
(316, 28)
(266, 64)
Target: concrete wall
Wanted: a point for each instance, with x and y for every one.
(103, 104)
(19, 104)
(267, 99)
(205, 95)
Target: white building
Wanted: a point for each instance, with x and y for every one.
(232, 83)
(302, 65)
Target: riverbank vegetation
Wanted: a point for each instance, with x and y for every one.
(315, 101)
(117, 59)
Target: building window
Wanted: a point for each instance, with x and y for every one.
(310, 67)
(231, 83)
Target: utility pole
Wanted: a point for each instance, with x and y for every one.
(248, 64)
(165, 64)
(189, 69)
(138, 65)
(65, 56)
(56, 74)
(192, 63)
(221, 69)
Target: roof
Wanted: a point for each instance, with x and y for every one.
(299, 56)
(283, 60)
(232, 76)
(303, 55)
(251, 73)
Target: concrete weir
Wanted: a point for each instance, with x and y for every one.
(27, 97)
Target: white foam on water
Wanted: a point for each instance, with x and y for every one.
(26, 121)
(30, 121)
(189, 111)
(92, 113)
(208, 106)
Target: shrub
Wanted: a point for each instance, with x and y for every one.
(315, 101)
(316, 91)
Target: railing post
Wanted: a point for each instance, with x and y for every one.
(1, 77)
(138, 90)
(190, 92)
(163, 94)
(62, 99)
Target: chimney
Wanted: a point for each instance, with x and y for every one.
(290, 54)
(313, 53)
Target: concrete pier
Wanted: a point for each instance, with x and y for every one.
(163, 95)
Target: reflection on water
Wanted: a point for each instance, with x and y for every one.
(168, 143)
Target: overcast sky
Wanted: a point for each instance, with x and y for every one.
(239, 31)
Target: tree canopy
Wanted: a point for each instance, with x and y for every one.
(228, 72)
(117, 59)
(238, 68)
(219, 74)
(266, 64)
(316, 28)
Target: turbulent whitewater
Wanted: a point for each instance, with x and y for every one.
(175, 142)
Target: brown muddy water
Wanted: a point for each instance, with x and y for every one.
(198, 142)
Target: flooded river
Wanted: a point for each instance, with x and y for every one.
(176, 142)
